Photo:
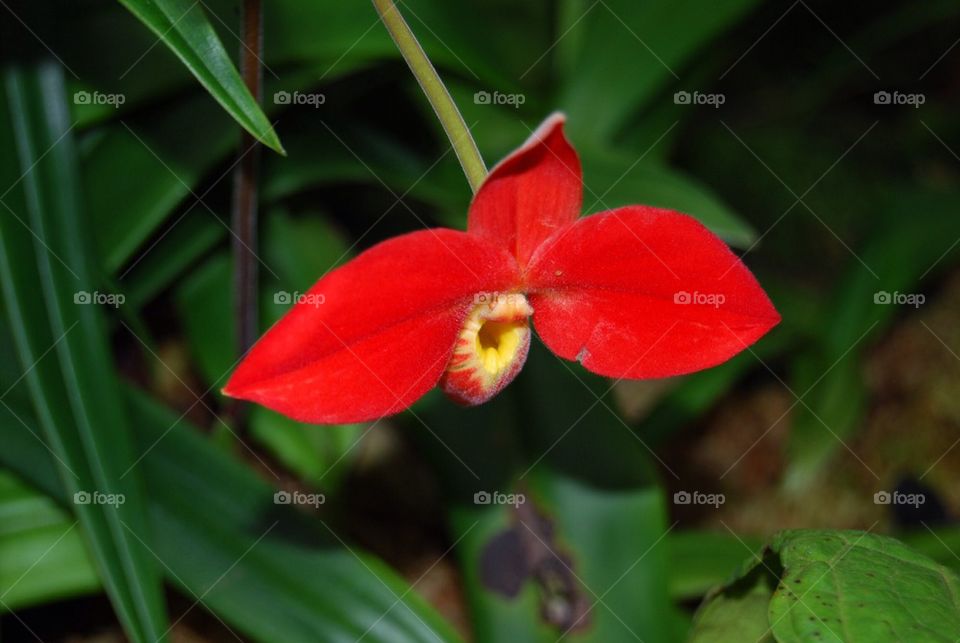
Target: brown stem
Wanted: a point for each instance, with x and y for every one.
(244, 214)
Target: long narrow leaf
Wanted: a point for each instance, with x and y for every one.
(183, 27)
(226, 544)
(62, 343)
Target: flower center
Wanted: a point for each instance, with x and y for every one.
(491, 348)
(497, 343)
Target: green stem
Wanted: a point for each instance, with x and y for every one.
(453, 124)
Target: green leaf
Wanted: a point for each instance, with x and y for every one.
(821, 585)
(700, 560)
(183, 27)
(737, 614)
(204, 303)
(624, 51)
(613, 179)
(939, 543)
(42, 554)
(46, 270)
(479, 450)
(318, 455)
(593, 523)
(172, 255)
(301, 250)
(224, 542)
(127, 212)
(596, 478)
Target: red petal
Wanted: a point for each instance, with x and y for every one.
(373, 336)
(530, 194)
(641, 292)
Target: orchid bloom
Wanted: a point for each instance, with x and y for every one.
(637, 292)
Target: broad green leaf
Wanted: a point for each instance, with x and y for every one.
(614, 179)
(701, 560)
(596, 478)
(136, 176)
(616, 54)
(739, 613)
(842, 586)
(834, 402)
(48, 280)
(205, 304)
(367, 154)
(318, 455)
(841, 578)
(183, 27)
(302, 249)
(137, 173)
(479, 451)
(592, 523)
(42, 554)
(172, 255)
(939, 543)
(222, 540)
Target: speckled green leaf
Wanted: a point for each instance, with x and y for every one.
(838, 586)
(857, 587)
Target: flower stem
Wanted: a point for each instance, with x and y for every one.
(244, 206)
(245, 186)
(453, 124)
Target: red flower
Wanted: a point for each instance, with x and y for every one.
(637, 292)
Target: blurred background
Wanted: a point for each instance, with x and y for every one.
(819, 139)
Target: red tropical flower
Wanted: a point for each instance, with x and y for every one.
(636, 292)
